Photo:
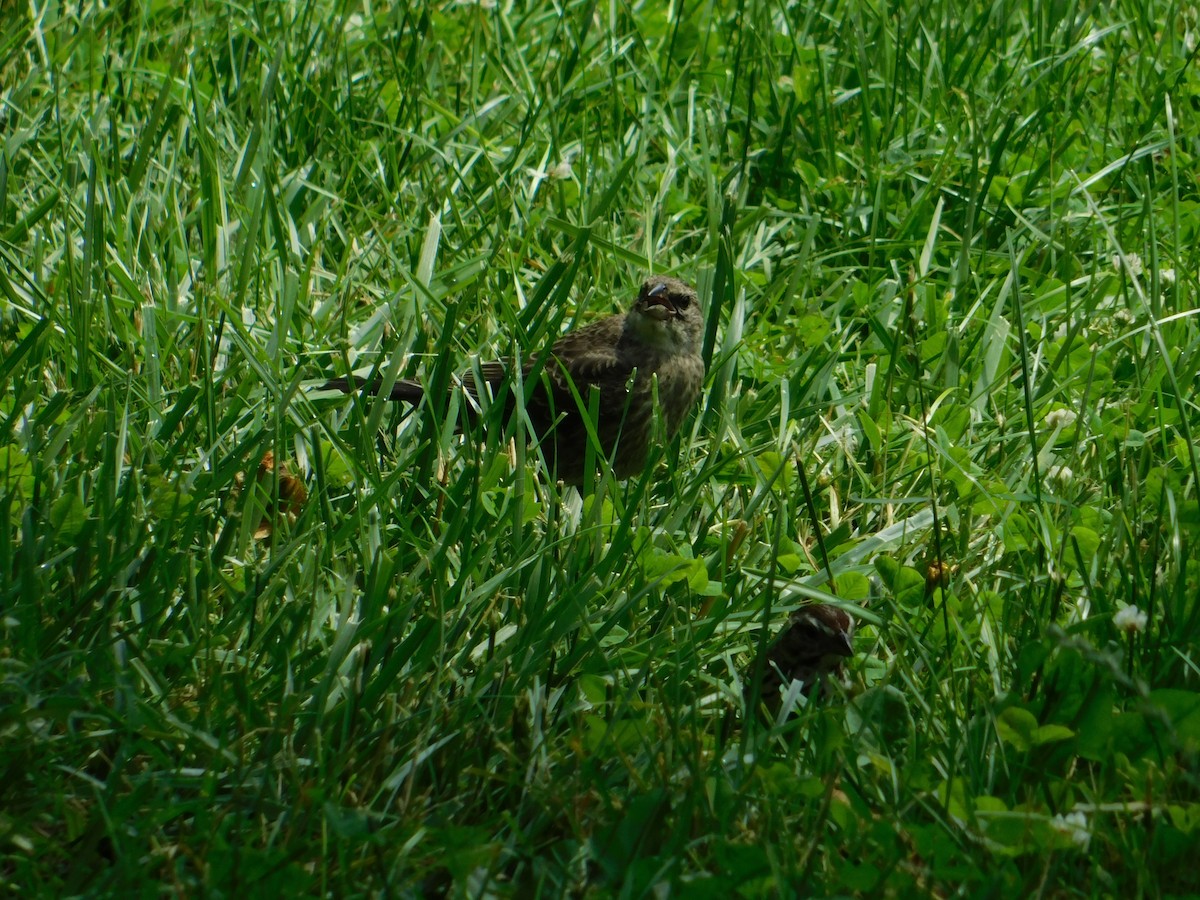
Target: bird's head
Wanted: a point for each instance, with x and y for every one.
(827, 633)
(667, 315)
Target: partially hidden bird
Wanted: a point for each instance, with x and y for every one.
(811, 647)
(650, 352)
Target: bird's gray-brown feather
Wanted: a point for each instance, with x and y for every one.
(627, 358)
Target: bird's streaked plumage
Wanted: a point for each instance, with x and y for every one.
(627, 358)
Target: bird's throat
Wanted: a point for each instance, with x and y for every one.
(662, 334)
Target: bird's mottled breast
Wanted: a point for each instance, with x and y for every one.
(679, 378)
(678, 388)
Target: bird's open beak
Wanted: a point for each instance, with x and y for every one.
(659, 298)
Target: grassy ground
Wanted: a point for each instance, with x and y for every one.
(259, 640)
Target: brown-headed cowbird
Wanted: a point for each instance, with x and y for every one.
(651, 350)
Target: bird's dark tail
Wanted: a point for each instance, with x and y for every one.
(408, 391)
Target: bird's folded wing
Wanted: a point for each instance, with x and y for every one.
(599, 367)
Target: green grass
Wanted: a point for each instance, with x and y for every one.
(949, 260)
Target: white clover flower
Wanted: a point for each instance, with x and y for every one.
(1092, 41)
(354, 26)
(845, 437)
(1075, 826)
(1130, 619)
(1060, 418)
(1060, 474)
(850, 442)
(1166, 276)
(1131, 262)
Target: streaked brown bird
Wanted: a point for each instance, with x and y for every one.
(624, 357)
(811, 647)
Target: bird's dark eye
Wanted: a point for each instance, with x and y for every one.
(681, 301)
